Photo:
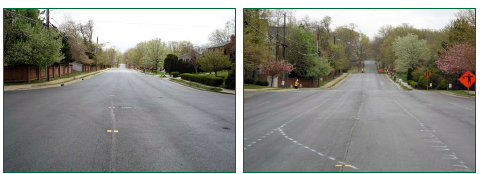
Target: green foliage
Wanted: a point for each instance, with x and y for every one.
(409, 75)
(320, 68)
(174, 74)
(214, 61)
(307, 65)
(422, 82)
(205, 79)
(262, 83)
(255, 50)
(249, 80)
(442, 85)
(409, 50)
(230, 80)
(170, 63)
(413, 84)
(28, 42)
(155, 53)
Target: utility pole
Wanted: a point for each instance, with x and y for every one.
(318, 53)
(284, 52)
(48, 26)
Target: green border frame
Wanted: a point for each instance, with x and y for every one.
(243, 74)
(235, 102)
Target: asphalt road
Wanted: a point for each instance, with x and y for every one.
(162, 127)
(365, 124)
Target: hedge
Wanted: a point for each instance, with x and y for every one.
(249, 80)
(262, 83)
(175, 74)
(230, 80)
(204, 79)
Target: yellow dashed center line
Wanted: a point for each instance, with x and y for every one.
(113, 131)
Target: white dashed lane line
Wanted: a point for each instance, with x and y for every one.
(431, 138)
(279, 129)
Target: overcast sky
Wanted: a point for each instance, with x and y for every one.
(123, 28)
(369, 21)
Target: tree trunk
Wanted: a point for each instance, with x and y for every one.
(272, 81)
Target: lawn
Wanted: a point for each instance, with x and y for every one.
(219, 73)
(197, 85)
(462, 93)
(322, 83)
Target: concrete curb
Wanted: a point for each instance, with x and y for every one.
(338, 83)
(200, 88)
(455, 95)
(397, 85)
(40, 86)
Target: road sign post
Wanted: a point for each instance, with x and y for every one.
(467, 79)
(427, 74)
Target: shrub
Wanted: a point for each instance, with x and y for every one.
(422, 82)
(409, 81)
(442, 84)
(249, 80)
(413, 84)
(175, 74)
(262, 83)
(230, 80)
(204, 79)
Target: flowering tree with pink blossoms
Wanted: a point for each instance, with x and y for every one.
(276, 67)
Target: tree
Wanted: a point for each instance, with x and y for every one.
(170, 63)
(256, 48)
(275, 68)
(409, 50)
(76, 40)
(214, 61)
(457, 59)
(156, 50)
(222, 35)
(31, 43)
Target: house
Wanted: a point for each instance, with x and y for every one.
(227, 47)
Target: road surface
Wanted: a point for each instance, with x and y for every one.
(161, 127)
(367, 124)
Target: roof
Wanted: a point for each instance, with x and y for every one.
(219, 44)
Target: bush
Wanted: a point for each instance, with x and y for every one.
(413, 84)
(175, 74)
(249, 80)
(204, 79)
(442, 84)
(422, 82)
(230, 80)
(262, 83)
(409, 81)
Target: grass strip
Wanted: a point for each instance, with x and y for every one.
(195, 85)
(462, 93)
(339, 81)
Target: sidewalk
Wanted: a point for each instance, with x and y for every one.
(54, 83)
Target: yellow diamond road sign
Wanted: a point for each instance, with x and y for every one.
(427, 74)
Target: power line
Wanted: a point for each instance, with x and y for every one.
(34, 20)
